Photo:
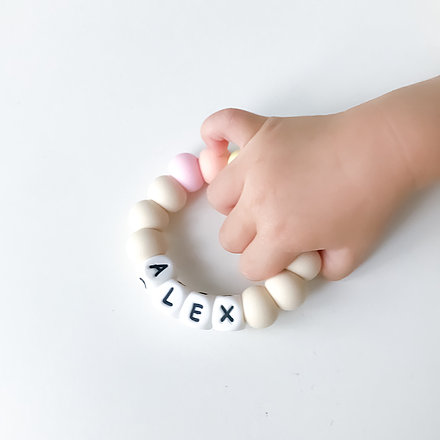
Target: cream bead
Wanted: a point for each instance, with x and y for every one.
(233, 155)
(287, 289)
(145, 243)
(168, 193)
(307, 265)
(147, 214)
(259, 308)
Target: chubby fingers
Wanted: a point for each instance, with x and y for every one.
(238, 230)
(225, 190)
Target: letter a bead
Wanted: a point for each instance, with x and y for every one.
(227, 313)
(197, 311)
(156, 270)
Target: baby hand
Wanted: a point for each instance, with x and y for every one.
(327, 183)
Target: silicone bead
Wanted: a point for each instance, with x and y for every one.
(197, 311)
(233, 155)
(306, 265)
(186, 170)
(168, 193)
(287, 289)
(259, 308)
(145, 243)
(211, 163)
(169, 297)
(227, 313)
(156, 270)
(147, 214)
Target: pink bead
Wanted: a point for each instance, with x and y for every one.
(185, 169)
(211, 163)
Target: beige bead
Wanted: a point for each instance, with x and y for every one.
(147, 214)
(145, 243)
(168, 193)
(287, 289)
(259, 308)
(306, 265)
(233, 155)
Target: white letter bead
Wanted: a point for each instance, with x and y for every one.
(227, 313)
(169, 297)
(197, 311)
(156, 270)
(306, 265)
(145, 243)
(287, 289)
(259, 308)
(168, 193)
(147, 214)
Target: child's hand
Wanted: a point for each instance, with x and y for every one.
(327, 183)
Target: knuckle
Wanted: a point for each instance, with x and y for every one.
(278, 231)
(229, 114)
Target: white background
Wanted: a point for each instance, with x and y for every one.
(95, 98)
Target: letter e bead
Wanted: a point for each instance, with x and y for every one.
(197, 311)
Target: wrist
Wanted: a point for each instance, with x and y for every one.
(411, 116)
(377, 151)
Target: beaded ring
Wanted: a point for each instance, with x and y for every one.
(258, 305)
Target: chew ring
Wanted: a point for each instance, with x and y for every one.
(258, 305)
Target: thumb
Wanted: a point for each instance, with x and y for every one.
(228, 125)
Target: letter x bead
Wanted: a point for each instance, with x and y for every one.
(156, 270)
(197, 311)
(227, 313)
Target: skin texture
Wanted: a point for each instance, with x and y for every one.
(329, 183)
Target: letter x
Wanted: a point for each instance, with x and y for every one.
(227, 314)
